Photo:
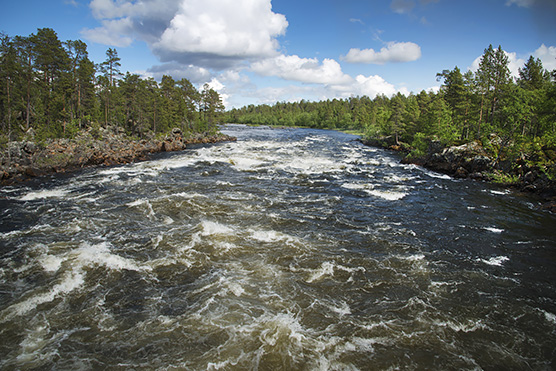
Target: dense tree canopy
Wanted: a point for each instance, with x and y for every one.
(54, 88)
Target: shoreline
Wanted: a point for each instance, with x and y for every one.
(470, 161)
(26, 160)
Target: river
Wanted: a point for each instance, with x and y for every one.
(290, 249)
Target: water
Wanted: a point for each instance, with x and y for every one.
(286, 250)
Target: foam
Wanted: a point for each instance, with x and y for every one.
(353, 186)
(213, 228)
(502, 193)
(143, 202)
(37, 195)
(430, 173)
(51, 263)
(271, 236)
(414, 258)
(387, 195)
(495, 260)
(100, 254)
(493, 230)
(470, 326)
(72, 280)
(343, 309)
(311, 165)
(74, 277)
(326, 269)
(549, 317)
(246, 164)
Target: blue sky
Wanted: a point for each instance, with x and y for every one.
(258, 51)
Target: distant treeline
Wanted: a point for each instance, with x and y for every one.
(54, 88)
(521, 113)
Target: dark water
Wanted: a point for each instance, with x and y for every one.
(286, 250)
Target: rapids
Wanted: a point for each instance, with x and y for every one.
(290, 249)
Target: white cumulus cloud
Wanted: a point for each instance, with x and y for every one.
(207, 33)
(307, 70)
(112, 32)
(392, 52)
(547, 55)
(240, 28)
(370, 86)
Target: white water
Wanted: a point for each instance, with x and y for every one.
(289, 249)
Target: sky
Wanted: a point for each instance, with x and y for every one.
(268, 51)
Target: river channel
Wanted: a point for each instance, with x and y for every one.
(290, 249)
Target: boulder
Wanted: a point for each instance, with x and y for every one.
(460, 161)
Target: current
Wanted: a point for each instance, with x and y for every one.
(290, 249)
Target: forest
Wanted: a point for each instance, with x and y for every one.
(512, 118)
(52, 88)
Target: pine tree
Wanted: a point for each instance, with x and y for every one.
(533, 76)
(111, 70)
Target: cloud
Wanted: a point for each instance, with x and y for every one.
(206, 33)
(392, 52)
(306, 70)
(520, 3)
(402, 6)
(547, 55)
(195, 74)
(333, 82)
(370, 86)
(242, 29)
(112, 32)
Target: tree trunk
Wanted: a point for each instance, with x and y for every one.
(480, 117)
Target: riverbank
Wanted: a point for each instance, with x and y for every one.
(107, 147)
(473, 161)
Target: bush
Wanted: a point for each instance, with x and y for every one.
(420, 145)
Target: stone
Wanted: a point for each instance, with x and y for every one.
(529, 177)
(461, 172)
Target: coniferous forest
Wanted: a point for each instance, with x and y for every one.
(53, 88)
(513, 119)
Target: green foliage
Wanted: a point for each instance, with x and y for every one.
(420, 145)
(71, 129)
(54, 88)
(504, 178)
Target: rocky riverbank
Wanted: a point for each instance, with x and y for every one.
(472, 160)
(27, 159)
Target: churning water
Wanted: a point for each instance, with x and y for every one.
(286, 250)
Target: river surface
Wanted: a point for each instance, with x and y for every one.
(290, 249)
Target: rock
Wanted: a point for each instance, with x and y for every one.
(33, 172)
(479, 163)
(14, 150)
(25, 159)
(461, 173)
(529, 177)
(459, 161)
(29, 147)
